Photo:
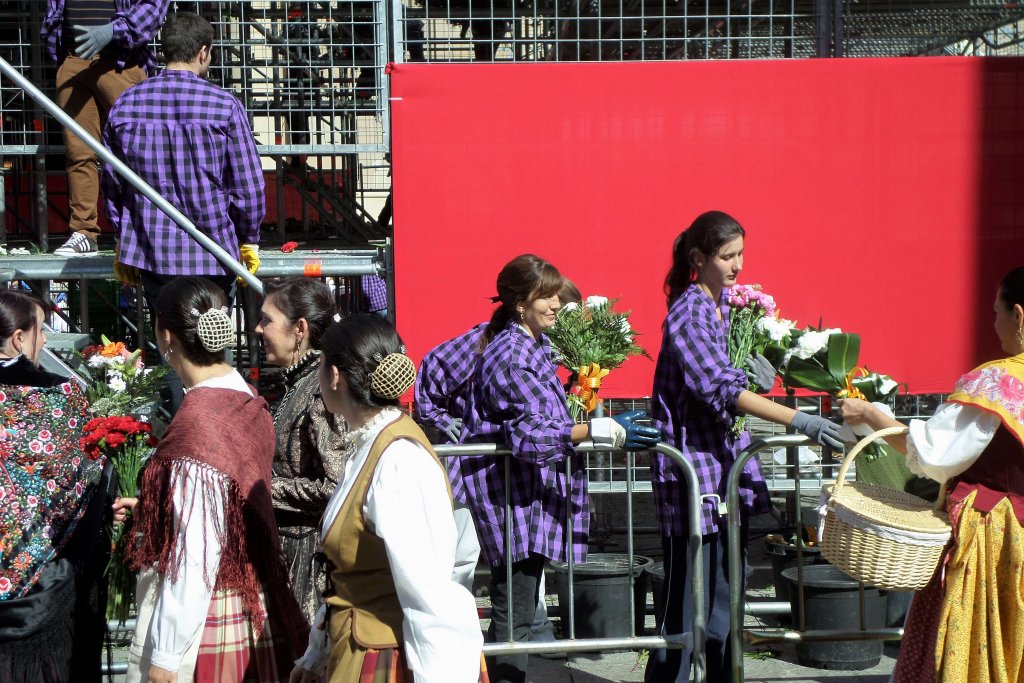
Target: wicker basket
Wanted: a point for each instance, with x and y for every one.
(881, 536)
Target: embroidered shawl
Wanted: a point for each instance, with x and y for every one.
(45, 481)
(996, 387)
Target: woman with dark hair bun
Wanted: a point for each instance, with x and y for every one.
(967, 624)
(52, 507)
(211, 604)
(394, 611)
(312, 442)
(516, 398)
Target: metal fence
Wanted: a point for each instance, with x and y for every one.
(626, 30)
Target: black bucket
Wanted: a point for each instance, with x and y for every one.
(783, 556)
(601, 592)
(832, 602)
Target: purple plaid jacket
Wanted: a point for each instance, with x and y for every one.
(694, 403)
(516, 399)
(191, 141)
(442, 391)
(443, 380)
(136, 22)
(376, 292)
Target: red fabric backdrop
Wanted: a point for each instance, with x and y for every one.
(878, 195)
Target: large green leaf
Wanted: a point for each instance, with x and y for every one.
(843, 352)
(808, 375)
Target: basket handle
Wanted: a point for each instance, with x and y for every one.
(861, 445)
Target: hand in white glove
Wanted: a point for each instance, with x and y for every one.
(607, 432)
(92, 39)
(854, 432)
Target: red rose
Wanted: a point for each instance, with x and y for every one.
(289, 247)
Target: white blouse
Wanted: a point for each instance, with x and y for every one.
(950, 441)
(407, 506)
(181, 605)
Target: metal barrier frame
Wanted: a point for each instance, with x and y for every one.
(698, 636)
(736, 595)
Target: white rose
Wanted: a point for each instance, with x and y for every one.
(571, 306)
(887, 386)
(776, 328)
(595, 301)
(811, 343)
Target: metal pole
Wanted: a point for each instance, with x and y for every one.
(138, 183)
(735, 569)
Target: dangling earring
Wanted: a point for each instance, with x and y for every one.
(1020, 338)
(521, 313)
(167, 355)
(295, 351)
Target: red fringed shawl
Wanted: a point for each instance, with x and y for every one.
(232, 433)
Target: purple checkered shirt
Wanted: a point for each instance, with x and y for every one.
(192, 142)
(694, 403)
(136, 22)
(442, 391)
(517, 399)
(376, 292)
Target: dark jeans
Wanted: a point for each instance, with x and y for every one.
(673, 665)
(151, 285)
(525, 581)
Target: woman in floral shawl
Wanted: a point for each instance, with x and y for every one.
(48, 529)
(967, 624)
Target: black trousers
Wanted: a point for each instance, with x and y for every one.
(673, 665)
(525, 582)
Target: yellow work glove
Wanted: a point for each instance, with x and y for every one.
(126, 274)
(250, 256)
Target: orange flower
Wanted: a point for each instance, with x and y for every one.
(113, 349)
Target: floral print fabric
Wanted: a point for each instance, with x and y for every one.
(45, 481)
(997, 387)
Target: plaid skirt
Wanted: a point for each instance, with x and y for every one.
(389, 666)
(229, 649)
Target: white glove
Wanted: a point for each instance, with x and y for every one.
(854, 433)
(607, 432)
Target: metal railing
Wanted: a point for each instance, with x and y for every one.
(737, 635)
(696, 639)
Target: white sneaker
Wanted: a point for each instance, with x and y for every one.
(77, 245)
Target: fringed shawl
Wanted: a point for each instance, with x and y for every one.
(232, 433)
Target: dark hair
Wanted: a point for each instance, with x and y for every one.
(304, 298)
(708, 232)
(569, 293)
(178, 307)
(183, 35)
(1011, 289)
(524, 279)
(356, 345)
(18, 311)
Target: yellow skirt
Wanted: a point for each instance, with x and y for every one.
(981, 626)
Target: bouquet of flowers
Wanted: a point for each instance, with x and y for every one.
(826, 360)
(592, 340)
(119, 382)
(127, 442)
(754, 323)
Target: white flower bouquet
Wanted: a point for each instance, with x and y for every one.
(119, 382)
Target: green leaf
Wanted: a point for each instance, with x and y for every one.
(843, 352)
(806, 375)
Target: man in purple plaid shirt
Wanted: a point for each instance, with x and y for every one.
(192, 142)
(102, 49)
(697, 395)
